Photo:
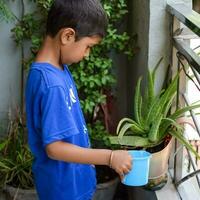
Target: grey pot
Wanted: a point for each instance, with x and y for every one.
(10, 193)
(106, 191)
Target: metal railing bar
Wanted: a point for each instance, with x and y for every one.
(176, 143)
(172, 177)
(197, 76)
(195, 173)
(196, 48)
(180, 58)
(192, 114)
(186, 15)
(192, 58)
(194, 166)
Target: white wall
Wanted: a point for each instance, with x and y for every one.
(151, 22)
(9, 69)
(159, 39)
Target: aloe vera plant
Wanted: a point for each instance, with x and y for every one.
(152, 120)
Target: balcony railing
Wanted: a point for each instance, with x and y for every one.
(185, 57)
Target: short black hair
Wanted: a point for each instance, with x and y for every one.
(86, 17)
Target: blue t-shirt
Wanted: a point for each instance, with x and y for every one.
(54, 114)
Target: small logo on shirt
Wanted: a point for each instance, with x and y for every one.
(72, 96)
(85, 129)
(72, 99)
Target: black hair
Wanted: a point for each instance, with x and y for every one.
(86, 17)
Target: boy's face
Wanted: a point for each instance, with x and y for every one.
(75, 51)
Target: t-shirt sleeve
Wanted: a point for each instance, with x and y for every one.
(57, 120)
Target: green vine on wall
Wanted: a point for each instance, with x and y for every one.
(94, 74)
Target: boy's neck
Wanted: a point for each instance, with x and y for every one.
(50, 52)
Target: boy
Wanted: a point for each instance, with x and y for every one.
(58, 138)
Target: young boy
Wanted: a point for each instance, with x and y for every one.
(63, 161)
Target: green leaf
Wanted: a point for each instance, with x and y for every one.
(128, 120)
(178, 135)
(163, 100)
(154, 130)
(181, 111)
(155, 69)
(5, 12)
(138, 102)
(135, 129)
(3, 144)
(133, 141)
(151, 92)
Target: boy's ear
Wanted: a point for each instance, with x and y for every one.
(67, 35)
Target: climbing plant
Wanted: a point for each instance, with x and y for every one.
(92, 75)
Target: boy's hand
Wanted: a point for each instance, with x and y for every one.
(121, 162)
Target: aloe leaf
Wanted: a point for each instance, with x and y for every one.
(124, 129)
(151, 93)
(153, 134)
(166, 123)
(137, 101)
(155, 68)
(167, 107)
(178, 135)
(158, 108)
(151, 110)
(181, 111)
(134, 128)
(133, 141)
(122, 121)
(145, 108)
(142, 122)
(137, 130)
(171, 119)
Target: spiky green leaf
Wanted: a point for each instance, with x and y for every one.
(134, 128)
(133, 141)
(178, 135)
(137, 102)
(154, 131)
(121, 122)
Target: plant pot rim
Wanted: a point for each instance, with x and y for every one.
(170, 142)
(12, 188)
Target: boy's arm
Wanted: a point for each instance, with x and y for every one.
(72, 153)
(120, 161)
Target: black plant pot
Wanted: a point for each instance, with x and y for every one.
(107, 181)
(106, 191)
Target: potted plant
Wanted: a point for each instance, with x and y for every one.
(15, 162)
(153, 127)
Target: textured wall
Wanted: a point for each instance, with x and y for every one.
(9, 70)
(138, 23)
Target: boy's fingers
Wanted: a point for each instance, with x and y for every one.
(125, 170)
(129, 166)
